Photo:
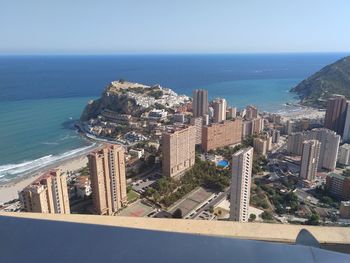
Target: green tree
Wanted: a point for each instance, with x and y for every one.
(177, 213)
(314, 220)
(266, 215)
(211, 209)
(252, 217)
(346, 172)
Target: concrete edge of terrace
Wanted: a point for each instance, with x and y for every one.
(251, 231)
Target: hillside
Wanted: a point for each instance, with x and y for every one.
(332, 79)
(132, 99)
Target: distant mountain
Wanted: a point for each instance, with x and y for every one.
(332, 79)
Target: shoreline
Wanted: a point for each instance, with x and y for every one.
(9, 189)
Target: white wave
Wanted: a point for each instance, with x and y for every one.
(67, 137)
(50, 143)
(10, 171)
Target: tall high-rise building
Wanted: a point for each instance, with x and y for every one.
(258, 125)
(344, 154)
(221, 134)
(108, 182)
(211, 113)
(251, 112)
(346, 133)
(268, 139)
(200, 103)
(242, 113)
(329, 145)
(275, 134)
(309, 159)
(336, 114)
(252, 126)
(247, 128)
(289, 128)
(275, 118)
(47, 194)
(260, 146)
(178, 150)
(242, 163)
(295, 142)
(231, 112)
(197, 122)
(219, 106)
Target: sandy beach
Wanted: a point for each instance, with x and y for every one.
(300, 112)
(10, 190)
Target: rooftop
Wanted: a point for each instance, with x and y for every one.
(38, 181)
(338, 176)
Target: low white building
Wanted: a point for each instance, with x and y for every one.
(157, 114)
(83, 187)
(137, 152)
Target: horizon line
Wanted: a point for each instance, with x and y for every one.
(171, 53)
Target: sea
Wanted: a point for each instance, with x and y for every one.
(41, 97)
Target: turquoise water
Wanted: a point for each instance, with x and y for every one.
(223, 163)
(267, 94)
(35, 133)
(39, 130)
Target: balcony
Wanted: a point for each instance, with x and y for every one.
(31, 237)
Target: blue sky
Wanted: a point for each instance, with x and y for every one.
(170, 26)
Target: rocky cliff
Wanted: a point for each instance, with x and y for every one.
(114, 98)
(332, 79)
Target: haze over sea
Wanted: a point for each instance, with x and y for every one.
(41, 96)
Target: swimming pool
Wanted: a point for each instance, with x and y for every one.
(222, 163)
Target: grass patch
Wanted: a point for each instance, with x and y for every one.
(132, 196)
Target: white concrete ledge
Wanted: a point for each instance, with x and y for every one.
(253, 231)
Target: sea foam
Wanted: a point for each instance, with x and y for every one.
(13, 171)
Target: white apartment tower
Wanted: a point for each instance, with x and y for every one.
(219, 106)
(344, 154)
(197, 122)
(309, 159)
(242, 163)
